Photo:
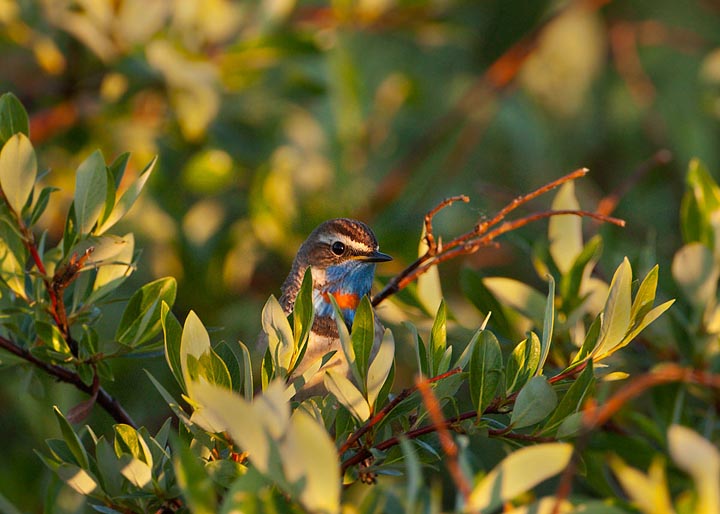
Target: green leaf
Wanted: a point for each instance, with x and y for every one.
(127, 200)
(523, 363)
(194, 481)
(247, 372)
(548, 324)
(72, 440)
(486, 370)
(347, 394)
(303, 312)
(380, 367)
(108, 467)
(700, 202)
(213, 369)
(280, 337)
(13, 118)
(518, 473)
(574, 398)
(140, 321)
(41, 204)
(438, 340)
(346, 341)
(18, 170)
(6, 507)
(420, 351)
(616, 314)
(363, 336)
(700, 459)
(172, 333)
(534, 403)
(565, 231)
(90, 191)
(12, 260)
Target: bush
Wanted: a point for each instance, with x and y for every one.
(501, 416)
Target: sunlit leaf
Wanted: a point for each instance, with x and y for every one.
(279, 333)
(429, 287)
(81, 480)
(18, 169)
(136, 471)
(696, 272)
(310, 456)
(380, 367)
(699, 458)
(649, 492)
(565, 232)
(517, 473)
(347, 394)
(616, 316)
(518, 295)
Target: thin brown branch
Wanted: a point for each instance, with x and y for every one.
(446, 440)
(429, 236)
(481, 235)
(380, 415)
(107, 402)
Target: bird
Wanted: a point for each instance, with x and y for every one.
(341, 254)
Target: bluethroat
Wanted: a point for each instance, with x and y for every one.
(341, 254)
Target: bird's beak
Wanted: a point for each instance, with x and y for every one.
(375, 256)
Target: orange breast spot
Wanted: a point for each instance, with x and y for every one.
(344, 300)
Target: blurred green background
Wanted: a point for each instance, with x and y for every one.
(272, 116)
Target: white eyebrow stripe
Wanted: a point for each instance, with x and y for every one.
(355, 245)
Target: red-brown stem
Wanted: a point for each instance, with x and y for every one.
(380, 415)
(446, 440)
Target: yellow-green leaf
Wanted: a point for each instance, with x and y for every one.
(18, 170)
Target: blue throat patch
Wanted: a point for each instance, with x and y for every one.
(348, 278)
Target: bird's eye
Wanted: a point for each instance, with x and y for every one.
(338, 248)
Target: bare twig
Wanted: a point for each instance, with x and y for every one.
(483, 234)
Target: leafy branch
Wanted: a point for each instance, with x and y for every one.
(483, 234)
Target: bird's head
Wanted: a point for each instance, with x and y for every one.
(342, 254)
